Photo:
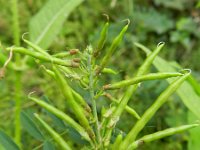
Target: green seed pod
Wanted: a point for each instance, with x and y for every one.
(54, 134)
(77, 60)
(152, 110)
(146, 65)
(38, 55)
(62, 54)
(81, 101)
(62, 116)
(67, 92)
(109, 71)
(117, 142)
(49, 72)
(35, 47)
(129, 92)
(102, 40)
(127, 108)
(66, 54)
(151, 76)
(112, 48)
(161, 134)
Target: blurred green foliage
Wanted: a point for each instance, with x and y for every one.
(176, 22)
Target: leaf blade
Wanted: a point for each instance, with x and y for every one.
(7, 142)
(30, 126)
(46, 24)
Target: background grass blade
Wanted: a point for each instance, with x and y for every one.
(30, 126)
(48, 146)
(193, 140)
(186, 92)
(54, 134)
(7, 142)
(47, 23)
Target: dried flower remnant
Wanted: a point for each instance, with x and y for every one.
(2, 70)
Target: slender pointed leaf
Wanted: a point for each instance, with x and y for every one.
(30, 126)
(48, 146)
(7, 142)
(46, 24)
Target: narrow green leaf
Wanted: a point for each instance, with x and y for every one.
(62, 116)
(194, 134)
(46, 24)
(7, 142)
(71, 132)
(30, 126)
(54, 134)
(57, 121)
(48, 146)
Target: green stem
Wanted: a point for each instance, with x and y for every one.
(15, 22)
(18, 93)
(92, 99)
(18, 86)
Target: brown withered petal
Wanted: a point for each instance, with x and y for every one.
(2, 73)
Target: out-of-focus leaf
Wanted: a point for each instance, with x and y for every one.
(188, 25)
(48, 146)
(57, 121)
(186, 92)
(175, 4)
(182, 37)
(75, 136)
(151, 20)
(194, 137)
(47, 23)
(71, 132)
(1, 147)
(198, 4)
(7, 142)
(30, 126)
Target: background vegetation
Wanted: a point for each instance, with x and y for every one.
(177, 23)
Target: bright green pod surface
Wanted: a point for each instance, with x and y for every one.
(62, 54)
(54, 134)
(160, 134)
(77, 109)
(145, 66)
(151, 111)
(62, 116)
(117, 142)
(102, 39)
(149, 60)
(67, 63)
(79, 99)
(112, 48)
(127, 108)
(129, 92)
(109, 71)
(36, 47)
(151, 76)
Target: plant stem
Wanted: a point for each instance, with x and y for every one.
(92, 99)
(18, 86)
(18, 93)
